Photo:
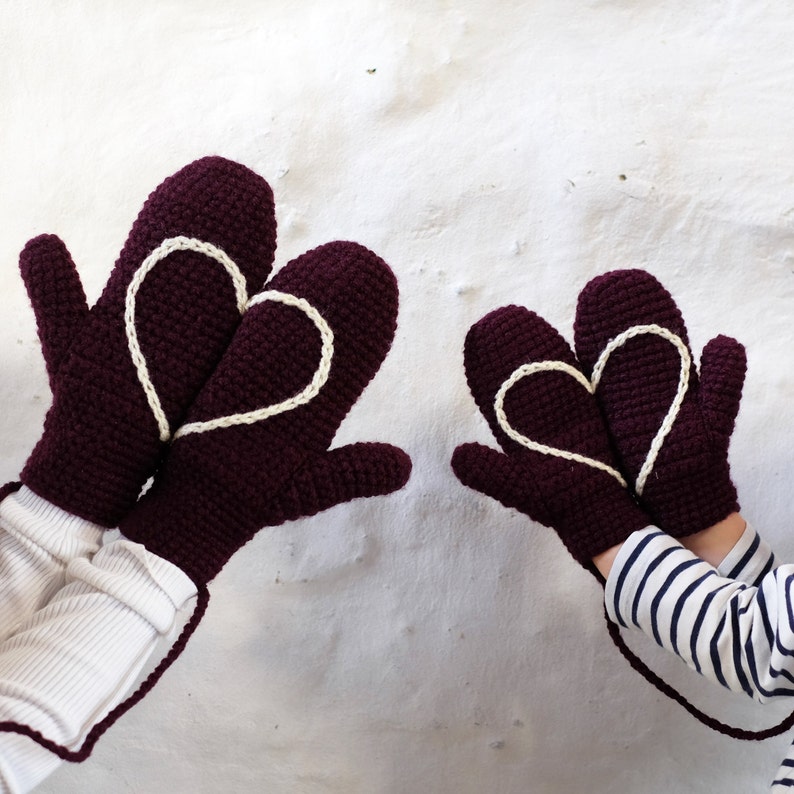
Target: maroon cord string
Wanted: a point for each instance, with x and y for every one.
(673, 694)
(9, 488)
(93, 736)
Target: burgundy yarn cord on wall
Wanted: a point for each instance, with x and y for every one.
(666, 689)
(96, 733)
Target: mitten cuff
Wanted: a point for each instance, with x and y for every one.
(686, 503)
(39, 524)
(603, 521)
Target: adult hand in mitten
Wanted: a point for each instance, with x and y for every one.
(556, 465)
(670, 428)
(124, 373)
(254, 451)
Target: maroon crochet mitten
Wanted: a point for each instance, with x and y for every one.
(56, 294)
(557, 466)
(123, 374)
(670, 428)
(254, 451)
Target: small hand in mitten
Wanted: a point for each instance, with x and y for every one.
(124, 373)
(670, 428)
(556, 466)
(254, 451)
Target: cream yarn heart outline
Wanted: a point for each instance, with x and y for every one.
(301, 398)
(675, 406)
(169, 246)
(591, 385)
(547, 366)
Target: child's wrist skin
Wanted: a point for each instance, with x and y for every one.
(603, 562)
(712, 545)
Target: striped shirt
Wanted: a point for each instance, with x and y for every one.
(733, 624)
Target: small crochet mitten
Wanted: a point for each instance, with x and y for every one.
(671, 429)
(556, 466)
(124, 373)
(254, 451)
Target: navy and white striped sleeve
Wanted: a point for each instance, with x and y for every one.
(734, 624)
(784, 780)
(737, 634)
(749, 560)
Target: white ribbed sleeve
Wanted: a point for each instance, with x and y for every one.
(74, 659)
(37, 541)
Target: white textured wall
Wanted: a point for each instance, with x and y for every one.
(431, 641)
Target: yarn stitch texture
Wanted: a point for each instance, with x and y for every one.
(160, 253)
(525, 370)
(254, 451)
(675, 406)
(591, 385)
(303, 397)
(689, 488)
(589, 507)
(104, 433)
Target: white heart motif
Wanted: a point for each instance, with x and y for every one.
(591, 385)
(243, 304)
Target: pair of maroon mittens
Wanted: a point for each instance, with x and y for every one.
(552, 401)
(582, 450)
(258, 389)
(204, 361)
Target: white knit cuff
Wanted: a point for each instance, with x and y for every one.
(39, 524)
(149, 585)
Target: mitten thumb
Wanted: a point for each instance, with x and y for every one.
(56, 295)
(496, 475)
(722, 369)
(340, 475)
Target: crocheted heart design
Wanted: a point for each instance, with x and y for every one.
(169, 246)
(302, 397)
(173, 244)
(527, 370)
(675, 406)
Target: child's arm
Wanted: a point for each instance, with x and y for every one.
(738, 635)
(713, 545)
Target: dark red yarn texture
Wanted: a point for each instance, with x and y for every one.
(101, 442)
(690, 487)
(57, 296)
(588, 507)
(217, 488)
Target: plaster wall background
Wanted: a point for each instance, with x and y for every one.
(430, 641)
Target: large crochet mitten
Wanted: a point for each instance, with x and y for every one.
(124, 373)
(556, 465)
(254, 451)
(670, 428)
